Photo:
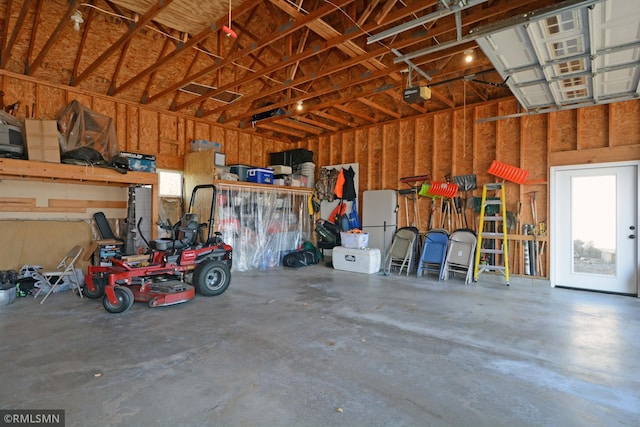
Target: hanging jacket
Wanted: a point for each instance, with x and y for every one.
(338, 189)
(349, 187)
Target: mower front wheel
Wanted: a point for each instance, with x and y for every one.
(125, 299)
(211, 277)
(98, 283)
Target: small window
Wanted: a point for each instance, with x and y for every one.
(571, 66)
(566, 21)
(567, 47)
(170, 183)
(573, 82)
(576, 94)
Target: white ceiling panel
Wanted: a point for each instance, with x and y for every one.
(621, 81)
(532, 75)
(578, 53)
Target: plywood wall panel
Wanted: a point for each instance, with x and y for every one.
(232, 150)
(84, 99)
(181, 133)
(508, 149)
(270, 146)
(593, 131)
(244, 148)
(20, 91)
(624, 123)
(534, 146)
(148, 128)
(508, 134)
(133, 133)
(462, 161)
(443, 145)
(49, 102)
(121, 126)
(563, 130)
(484, 149)
(171, 144)
(201, 131)
(217, 135)
(189, 131)
(391, 172)
(362, 158)
(349, 147)
(168, 127)
(104, 107)
(376, 154)
(312, 144)
(424, 146)
(534, 160)
(407, 148)
(335, 149)
(256, 149)
(324, 151)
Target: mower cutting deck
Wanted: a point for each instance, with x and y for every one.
(173, 271)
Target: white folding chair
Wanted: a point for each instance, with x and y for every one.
(66, 268)
(401, 250)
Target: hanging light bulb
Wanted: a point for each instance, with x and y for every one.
(468, 55)
(299, 106)
(77, 20)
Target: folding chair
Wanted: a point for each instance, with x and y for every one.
(460, 255)
(401, 251)
(66, 268)
(434, 252)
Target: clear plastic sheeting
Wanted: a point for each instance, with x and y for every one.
(262, 224)
(82, 127)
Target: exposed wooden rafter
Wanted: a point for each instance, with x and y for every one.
(123, 40)
(285, 52)
(14, 34)
(317, 14)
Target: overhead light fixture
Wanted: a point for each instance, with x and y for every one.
(77, 20)
(468, 55)
(299, 106)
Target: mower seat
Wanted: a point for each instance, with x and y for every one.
(185, 233)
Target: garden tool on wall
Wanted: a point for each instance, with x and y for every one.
(424, 192)
(447, 190)
(467, 183)
(415, 183)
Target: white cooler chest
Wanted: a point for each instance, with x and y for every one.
(356, 260)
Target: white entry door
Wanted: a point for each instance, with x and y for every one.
(594, 236)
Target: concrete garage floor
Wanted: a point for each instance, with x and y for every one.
(321, 347)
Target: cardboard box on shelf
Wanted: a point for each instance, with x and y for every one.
(42, 140)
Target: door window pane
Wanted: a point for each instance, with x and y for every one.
(593, 224)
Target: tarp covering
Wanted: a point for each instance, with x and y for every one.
(261, 224)
(82, 127)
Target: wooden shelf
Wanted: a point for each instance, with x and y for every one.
(74, 174)
(262, 187)
(45, 171)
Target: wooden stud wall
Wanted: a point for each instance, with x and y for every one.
(140, 128)
(451, 142)
(454, 143)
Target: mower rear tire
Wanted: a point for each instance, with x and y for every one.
(99, 283)
(211, 277)
(125, 299)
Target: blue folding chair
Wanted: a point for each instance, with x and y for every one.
(434, 252)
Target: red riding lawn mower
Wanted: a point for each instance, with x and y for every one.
(172, 271)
